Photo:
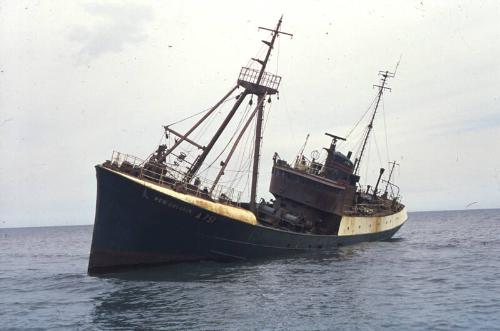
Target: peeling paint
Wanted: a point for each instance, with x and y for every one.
(354, 225)
(235, 213)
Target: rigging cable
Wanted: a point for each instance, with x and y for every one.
(244, 166)
(249, 159)
(244, 160)
(230, 140)
(376, 146)
(360, 142)
(367, 163)
(277, 54)
(386, 136)
(265, 123)
(199, 113)
(258, 54)
(362, 117)
(200, 131)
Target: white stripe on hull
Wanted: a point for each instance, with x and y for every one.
(354, 225)
(231, 212)
(349, 225)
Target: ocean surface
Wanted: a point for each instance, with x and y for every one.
(440, 272)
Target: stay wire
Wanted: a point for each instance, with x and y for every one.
(199, 113)
(361, 118)
(378, 150)
(367, 163)
(230, 140)
(386, 136)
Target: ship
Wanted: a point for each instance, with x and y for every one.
(160, 210)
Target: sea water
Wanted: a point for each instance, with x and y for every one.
(440, 272)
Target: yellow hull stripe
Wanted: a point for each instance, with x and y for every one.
(353, 225)
(235, 213)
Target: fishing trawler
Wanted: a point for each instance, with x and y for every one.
(161, 210)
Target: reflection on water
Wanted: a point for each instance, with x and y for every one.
(220, 272)
(216, 295)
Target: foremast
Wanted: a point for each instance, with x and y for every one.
(261, 95)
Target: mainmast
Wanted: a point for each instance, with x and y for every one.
(385, 74)
(255, 82)
(261, 95)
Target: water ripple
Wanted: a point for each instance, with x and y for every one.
(441, 272)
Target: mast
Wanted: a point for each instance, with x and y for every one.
(256, 152)
(261, 94)
(255, 82)
(385, 74)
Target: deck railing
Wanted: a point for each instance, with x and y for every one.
(308, 166)
(166, 175)
(268, 81)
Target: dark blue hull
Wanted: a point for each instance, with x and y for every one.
(136, 225)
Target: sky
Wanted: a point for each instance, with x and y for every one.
(79, 79)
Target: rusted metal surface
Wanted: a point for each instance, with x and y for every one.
(166, 177)
(249, 80)
(309, 190)
(167, 213)
(310, 196)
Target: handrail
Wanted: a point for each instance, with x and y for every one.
(251, 76)
(392, 186)
(165, 175)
